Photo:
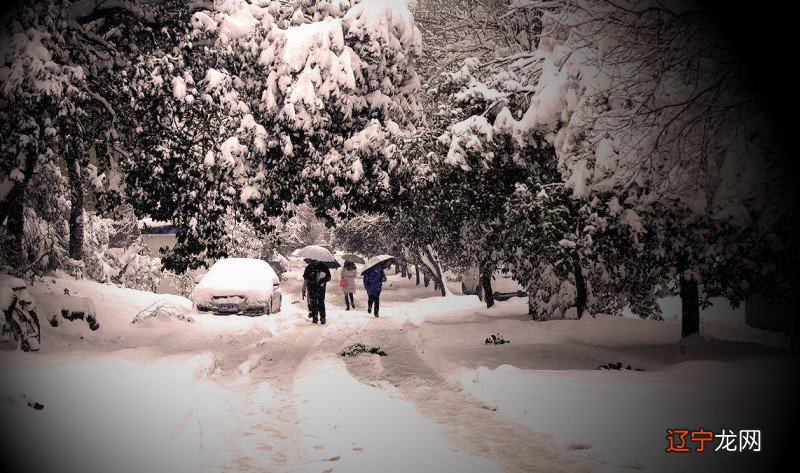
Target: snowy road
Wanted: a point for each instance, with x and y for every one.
(273, 393)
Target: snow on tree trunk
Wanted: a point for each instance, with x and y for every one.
(581, 296)
(533, 311)
(436, 269)
(76, 193)
(15, 226)
(486, 284)
(15, 220)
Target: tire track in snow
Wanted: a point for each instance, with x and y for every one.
(260, 368)
(466, 423)
(279, 366)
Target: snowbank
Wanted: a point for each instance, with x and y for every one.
(119, 414)
(618, 419)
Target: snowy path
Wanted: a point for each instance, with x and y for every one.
(270, 368)
(349, 426)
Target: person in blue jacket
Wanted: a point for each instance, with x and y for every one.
(374, 277)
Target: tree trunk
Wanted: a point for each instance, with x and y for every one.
(76, 194)
(486, 285)
(15, 226)
(436, 271)
(690, 306)
(431, 270)
(532, 307)
(581, 296)
(15, 217)
(794, 334)
(416, 270)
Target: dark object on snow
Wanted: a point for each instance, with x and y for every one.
(36, 405)
(504, 296)
(617, 366)
(496, 339)
(71, 315)
(359, 348)
(72, 308)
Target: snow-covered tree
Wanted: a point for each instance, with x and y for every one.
(60, 68)
(301, 229)
(39, 88)
(649, 110)
(365, 234)
(253, 109)
(651, 124)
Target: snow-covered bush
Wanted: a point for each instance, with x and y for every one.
(302, 228)
(138, 270)
(131, 266)
(45, 226)
(365, 235)
(183, 284)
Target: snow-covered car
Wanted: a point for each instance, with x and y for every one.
(503, 287)
(244, 286)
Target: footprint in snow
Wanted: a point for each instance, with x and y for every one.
(579, 446)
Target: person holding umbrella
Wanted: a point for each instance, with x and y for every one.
(348, 283)
(348, 279)
(315, 277)
(374, 277)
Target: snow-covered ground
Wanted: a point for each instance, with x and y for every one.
(272, 393)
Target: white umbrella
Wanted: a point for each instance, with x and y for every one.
(318, 253)
(376, 260)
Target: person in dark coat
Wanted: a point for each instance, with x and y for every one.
(315, 277)
(374, 277)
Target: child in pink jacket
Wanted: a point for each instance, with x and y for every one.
(348, 283)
